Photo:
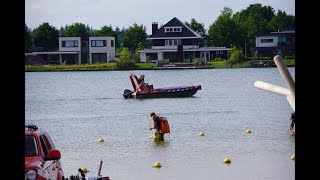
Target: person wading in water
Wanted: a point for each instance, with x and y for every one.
(158, 135)
(292, 123)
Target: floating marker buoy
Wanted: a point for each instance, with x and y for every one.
(84, 170)
(293, 157)
(156, 164)
(101, 140)
(248, 131)
(201, 133)
(227, 160)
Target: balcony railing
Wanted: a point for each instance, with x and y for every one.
(176, 47)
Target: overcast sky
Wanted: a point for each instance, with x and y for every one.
(124, 13)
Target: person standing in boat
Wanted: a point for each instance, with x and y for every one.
(142, 84)
(158, 135)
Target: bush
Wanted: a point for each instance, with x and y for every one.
(236, 56)
(218, 59)
(290, 57)
(262, 58)
(125, 61)
(125, 64)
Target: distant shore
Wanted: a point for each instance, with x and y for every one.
(148, 66)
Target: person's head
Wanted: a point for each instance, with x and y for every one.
(142, 76)
(152, 114)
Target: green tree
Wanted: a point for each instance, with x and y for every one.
(198, 28)
(281, 21)
(77, 30)
(46, 36)
(254, 20)
(27, 37)
(133, 36)
(108, 31)
(125, 61)
(225, 31)
(62, 30)
(236, 56)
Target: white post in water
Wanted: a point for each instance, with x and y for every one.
(290, 93)
(278, 90)
(285, 74)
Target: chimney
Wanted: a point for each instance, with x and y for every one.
(154, 27)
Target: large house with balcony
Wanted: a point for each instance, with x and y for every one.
(178, 43)
(275, 43)
(74, 50)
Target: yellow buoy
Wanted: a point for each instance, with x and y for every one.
(101, 140)
(156, 164)
(227, 160)
(201, 133)
(84, 170)
(248, 131)
(293, 157)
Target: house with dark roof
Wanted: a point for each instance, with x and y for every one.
(177, 42)
(275, 43)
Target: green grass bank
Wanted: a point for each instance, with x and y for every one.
(137, 66)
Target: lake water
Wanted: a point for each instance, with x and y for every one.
(78, 108)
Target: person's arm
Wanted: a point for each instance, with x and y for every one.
(152, 127)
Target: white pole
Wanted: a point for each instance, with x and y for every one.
(285, 74)
(272, 88)
(291, 101)
(277, 90)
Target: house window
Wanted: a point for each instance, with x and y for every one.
(173, 29)
(99, 57)
(112, 43)
(217, 52)
(70, 43)
(173, 42)
(221, 52)
(266, 40)
(98, 43)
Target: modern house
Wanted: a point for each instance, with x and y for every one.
(71, 45)
(275, 43)
(178, 43)
(102, 49)
(74, 50)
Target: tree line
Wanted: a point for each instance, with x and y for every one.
(228, 30)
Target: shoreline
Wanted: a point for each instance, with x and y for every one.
(147, 66)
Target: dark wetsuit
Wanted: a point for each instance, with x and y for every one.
(157, 125)
(293, 118)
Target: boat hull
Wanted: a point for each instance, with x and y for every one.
(177, 92)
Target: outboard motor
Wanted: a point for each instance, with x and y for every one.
(127, 93)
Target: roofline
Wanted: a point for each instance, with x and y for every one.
(198, 35)
(174, 38)
(175, 50)
(195, 33)
(52, 52)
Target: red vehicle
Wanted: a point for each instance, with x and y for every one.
(42, 160)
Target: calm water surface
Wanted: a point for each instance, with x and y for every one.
(78, 108)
